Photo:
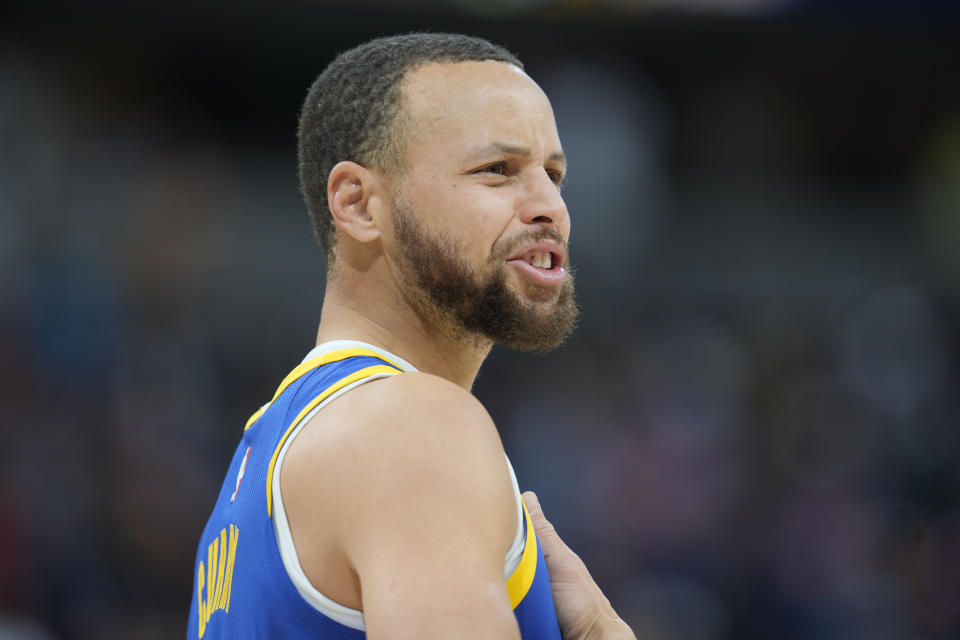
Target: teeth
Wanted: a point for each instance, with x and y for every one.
(539, 260)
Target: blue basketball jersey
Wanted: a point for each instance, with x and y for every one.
(247, 581)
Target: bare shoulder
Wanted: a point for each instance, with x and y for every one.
(392, 480)
(390, 440)
(415, 411)
(418, 399)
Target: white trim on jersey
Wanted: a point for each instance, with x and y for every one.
(515, 553)
(336, 345)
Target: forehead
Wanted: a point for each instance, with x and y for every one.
(452, 106)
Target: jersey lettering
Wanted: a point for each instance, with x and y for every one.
(217, 576)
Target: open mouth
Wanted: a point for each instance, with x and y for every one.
(541, 259)
(542, 263)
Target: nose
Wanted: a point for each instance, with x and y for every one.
(542, 203)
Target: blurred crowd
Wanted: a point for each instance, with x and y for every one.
(755, 432)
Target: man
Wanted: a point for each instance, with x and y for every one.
(362, 502)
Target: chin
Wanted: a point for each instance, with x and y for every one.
(537, 295)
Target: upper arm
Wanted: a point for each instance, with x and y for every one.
(429, 510)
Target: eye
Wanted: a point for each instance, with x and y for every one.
(497, 168)
(557, 177)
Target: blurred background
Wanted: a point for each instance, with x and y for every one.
(754, 434)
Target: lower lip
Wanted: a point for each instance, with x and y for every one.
(543, 277)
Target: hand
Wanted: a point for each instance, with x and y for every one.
(583, 611)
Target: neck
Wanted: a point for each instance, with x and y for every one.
(385, 319)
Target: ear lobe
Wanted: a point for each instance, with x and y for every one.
(349, 189)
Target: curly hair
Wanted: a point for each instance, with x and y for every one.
(352, 111)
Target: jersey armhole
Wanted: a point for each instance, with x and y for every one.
(337, 612)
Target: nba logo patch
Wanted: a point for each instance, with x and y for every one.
(243, 467)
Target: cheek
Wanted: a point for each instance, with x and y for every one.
(482, 219)
(476, 217)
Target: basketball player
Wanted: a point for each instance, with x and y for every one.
(371, 497)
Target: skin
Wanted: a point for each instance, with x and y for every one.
(419, 543)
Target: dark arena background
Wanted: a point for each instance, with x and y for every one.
(754, 434)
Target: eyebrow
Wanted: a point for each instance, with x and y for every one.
(512, 150)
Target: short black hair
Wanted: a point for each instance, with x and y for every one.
(351, 110)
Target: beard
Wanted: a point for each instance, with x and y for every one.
(446, 290)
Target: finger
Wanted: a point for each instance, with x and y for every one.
(545, 531)
(533, 503)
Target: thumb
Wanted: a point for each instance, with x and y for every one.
(546, 533)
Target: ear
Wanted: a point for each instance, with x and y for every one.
(351, 190)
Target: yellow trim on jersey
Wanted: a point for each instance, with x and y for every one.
(336, 386)
(304, 367)
(256, 416)
(519, 583)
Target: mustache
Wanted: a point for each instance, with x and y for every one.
(526, 237)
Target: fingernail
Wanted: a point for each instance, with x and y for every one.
(532, 500)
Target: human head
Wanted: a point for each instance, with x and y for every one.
(461, 214)
(477, 204)
(353, 110)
